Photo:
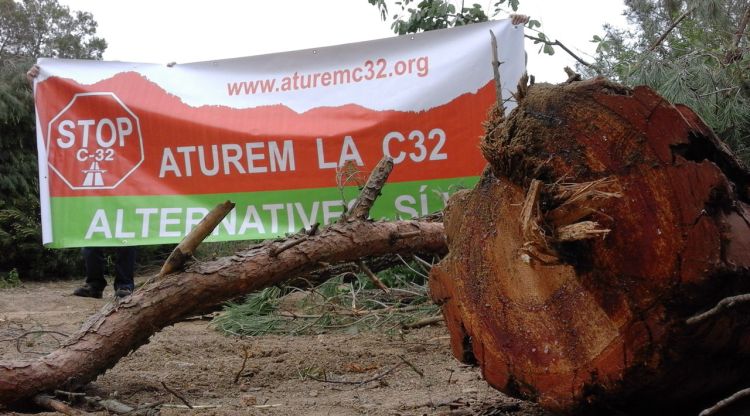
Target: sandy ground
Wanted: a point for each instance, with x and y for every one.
(201, 365)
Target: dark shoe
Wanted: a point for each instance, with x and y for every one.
(123, 292)
(87, 291)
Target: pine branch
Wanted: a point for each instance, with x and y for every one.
(669, 30)
(741, 29)
(565, 48)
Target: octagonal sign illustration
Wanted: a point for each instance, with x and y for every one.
(95, 142)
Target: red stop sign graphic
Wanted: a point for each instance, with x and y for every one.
(94, 142)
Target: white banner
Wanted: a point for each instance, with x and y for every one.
(135, 153)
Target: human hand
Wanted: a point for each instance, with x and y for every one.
(519, 19)
(32, 73)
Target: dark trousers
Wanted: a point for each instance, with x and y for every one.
(95, 262)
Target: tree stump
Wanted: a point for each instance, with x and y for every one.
(607, 217)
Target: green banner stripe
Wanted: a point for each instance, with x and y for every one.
(143, 220)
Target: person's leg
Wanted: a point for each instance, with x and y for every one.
(93, 259)
(125, 269)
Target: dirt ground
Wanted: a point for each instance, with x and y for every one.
(201, 364)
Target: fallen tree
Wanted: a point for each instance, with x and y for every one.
(578, 266)
(124, 325)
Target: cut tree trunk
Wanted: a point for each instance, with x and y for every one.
(606, 218)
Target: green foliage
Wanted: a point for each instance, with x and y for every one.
(406, 275)
(545, 47)
(20, 241)
(336, 305)
(381, 6)
(29, 29)
(10, 280)
(434, 14)
(33, 28)
(512, 3)
(440, 14)
(702, 62)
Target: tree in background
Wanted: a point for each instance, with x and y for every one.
(440, 14)
(433, 14)
(29, 29)
(694, 52)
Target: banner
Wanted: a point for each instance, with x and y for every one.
(133, 154)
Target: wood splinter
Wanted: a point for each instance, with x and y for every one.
(574, 203)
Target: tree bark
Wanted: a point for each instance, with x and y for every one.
(606, 219)
(124, 325)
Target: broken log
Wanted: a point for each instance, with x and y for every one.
(606, 219)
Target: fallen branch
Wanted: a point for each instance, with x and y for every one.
(124, 325)
(50, 403)
(725, 303)
(361, 208)
(187, 246)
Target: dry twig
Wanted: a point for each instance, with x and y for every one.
(726, 402)
(278, 249)
(175, 394)
(246, 353)
(19, 338)
(496, 73)
(413, 367)
(723, 304)
(197, 406)
(423, 322)
(372, 276)
(358, 383)
(560, 44)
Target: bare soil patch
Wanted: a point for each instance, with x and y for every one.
(201, 364)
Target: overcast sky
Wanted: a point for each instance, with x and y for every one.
(162, 31)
